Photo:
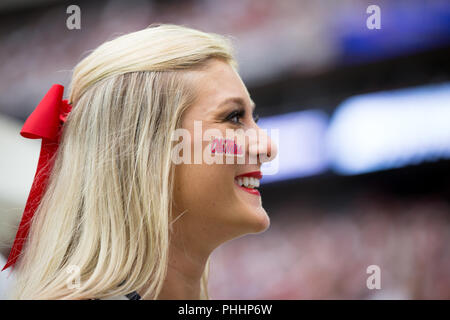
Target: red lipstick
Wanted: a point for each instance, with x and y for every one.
(253, 174)
(252, 191)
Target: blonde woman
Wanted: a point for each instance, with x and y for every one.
(118, 216)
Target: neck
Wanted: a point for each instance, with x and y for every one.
(184, 274)
(187, 261)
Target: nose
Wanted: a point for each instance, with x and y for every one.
(263, 147)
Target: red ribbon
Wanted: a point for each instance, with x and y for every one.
(44, 123)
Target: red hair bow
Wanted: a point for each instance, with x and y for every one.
(44, 123)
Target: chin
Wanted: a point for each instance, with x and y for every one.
(259, 221)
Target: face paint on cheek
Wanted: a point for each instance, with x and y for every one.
(226, 147)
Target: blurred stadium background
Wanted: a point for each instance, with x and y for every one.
(364, 134)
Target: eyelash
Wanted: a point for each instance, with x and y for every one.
(240, 114)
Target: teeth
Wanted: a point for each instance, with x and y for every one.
(248, 182)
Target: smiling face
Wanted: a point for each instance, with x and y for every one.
(218, 207)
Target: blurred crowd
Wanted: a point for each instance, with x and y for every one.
(41, 50)
(314, 253)
(272, 38)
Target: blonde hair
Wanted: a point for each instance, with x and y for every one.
(107, 207)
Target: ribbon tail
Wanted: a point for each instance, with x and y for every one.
(45, 164)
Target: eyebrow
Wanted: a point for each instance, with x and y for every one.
(237, 100)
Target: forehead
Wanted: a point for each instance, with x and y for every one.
(217, 82)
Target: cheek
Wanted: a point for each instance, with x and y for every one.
(203, 187)
(206, 190)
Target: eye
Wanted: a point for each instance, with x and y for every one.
(235, 116)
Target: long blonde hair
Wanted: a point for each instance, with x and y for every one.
(107, 207)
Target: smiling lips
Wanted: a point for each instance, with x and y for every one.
(249, 182)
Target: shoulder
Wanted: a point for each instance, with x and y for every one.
(115, 298)
(131, 296)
